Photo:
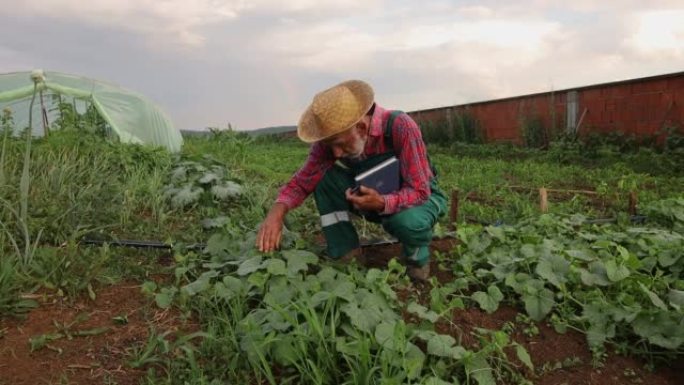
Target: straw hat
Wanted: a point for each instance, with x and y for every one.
(335, 110)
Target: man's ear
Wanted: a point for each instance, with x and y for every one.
(363, 126)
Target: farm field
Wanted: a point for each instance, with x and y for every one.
(518, 296)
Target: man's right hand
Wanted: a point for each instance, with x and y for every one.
(271, 230)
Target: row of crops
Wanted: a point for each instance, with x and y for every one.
(293, 317)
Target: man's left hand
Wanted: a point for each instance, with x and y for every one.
(366, 199)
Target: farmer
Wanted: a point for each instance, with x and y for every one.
(350, 133)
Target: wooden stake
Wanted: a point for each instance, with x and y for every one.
(633, 203)
(543, 200)
(453, 212)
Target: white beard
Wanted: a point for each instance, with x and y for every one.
(359, 146)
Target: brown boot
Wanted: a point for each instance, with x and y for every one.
(354, 255)
(419, 273)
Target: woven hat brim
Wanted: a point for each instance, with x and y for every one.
(310, 129)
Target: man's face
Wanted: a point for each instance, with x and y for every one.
(349, 144)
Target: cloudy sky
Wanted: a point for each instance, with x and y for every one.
(257, 63)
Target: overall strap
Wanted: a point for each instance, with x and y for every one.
(389, 143)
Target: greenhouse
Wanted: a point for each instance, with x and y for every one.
(54, 97)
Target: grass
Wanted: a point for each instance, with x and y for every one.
(260, 322)
(82, 185)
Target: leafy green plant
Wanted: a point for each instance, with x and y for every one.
(70, 271)
(192, 183)
(622, 283)
(11, 285)
(7, 128)
(64, 330)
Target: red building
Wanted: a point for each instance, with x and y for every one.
(640, 107)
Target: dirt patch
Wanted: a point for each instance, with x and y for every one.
(558, 358)
(120, 317)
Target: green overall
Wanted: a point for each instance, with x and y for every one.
(411, 226)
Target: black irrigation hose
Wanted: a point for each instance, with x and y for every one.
(138, 244)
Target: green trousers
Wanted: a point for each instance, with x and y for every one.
(412, 226)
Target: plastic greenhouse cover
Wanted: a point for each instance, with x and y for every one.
(132, 117)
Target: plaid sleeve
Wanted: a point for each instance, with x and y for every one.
(304, 181)
(414, 165)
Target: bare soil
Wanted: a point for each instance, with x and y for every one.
(96, 359)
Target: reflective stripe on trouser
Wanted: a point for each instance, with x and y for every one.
(340, 234)
(412, 226)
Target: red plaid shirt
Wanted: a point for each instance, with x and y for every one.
(410, 150)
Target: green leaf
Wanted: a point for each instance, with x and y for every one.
(422, 312)
(479, 368)
(364, 321)
(653, 297)
(523, 356)
(597, 334)
(442, 345)
(489, 301)
(616, 272)
(284, 350)
(554, 268)
(582, 255)
(319, 298)
(669, 342)
(661, 329)
(219, 245)
(596, 275)
(528, 251)
(179, 174)
(207, 178)
(229, 288)
(518, 281)
(148, 287)
(437, 381)
(195, 287)
(344, 290)
(601, 326)
(226, 191)
(496, 232)
(233, 284)
(667, 258)
(384, 335)
(164, 299)
(249, 266)
(201, 284)
(212, 223)
(479, 244)
(676, 298)
(187, 195)
(258, 279)
(297, 260)
(346, 347)
(281, 295)
(276, 266)
(538, 303)
(414, 360)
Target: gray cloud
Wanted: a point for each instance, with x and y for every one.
(259, 63)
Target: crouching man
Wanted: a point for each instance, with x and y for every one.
(350, 134)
